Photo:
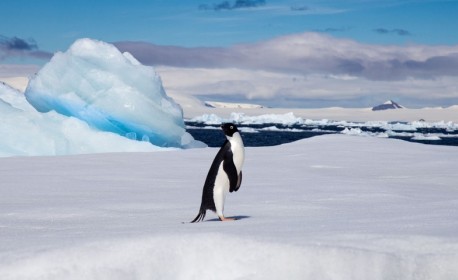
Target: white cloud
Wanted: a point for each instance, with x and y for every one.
(310, 53)
(307, 69)
(272, 87)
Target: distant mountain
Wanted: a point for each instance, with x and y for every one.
(390, 104)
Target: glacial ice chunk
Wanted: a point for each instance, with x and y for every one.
(26, 132)
(111, 91)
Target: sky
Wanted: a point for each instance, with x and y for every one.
(288, 53)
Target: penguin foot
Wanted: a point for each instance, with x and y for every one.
(223, 219)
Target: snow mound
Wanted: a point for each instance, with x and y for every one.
(26, 132)
(202, 256)
(111, 91)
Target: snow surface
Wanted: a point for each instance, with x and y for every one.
(111, 91)
(327, 207)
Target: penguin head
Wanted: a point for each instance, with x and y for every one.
(229, 129)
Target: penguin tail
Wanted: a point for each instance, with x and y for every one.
(200, 217)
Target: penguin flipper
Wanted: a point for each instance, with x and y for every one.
(239, 182)
(229, 168)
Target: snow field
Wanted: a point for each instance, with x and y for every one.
(210, 256)
(327, 207)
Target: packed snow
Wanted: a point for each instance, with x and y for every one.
(327, 207)
(111, 91)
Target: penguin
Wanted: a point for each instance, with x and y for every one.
(225, 174)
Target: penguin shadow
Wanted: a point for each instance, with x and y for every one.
(236, 218)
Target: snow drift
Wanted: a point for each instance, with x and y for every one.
(226, 257)
(111, 91)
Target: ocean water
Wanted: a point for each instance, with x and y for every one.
(257, 135)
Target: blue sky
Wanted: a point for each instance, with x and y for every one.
(31, 31)
(54, 25)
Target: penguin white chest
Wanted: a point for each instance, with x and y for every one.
(220, 190)
(238, 151)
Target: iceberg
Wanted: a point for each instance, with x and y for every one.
(26, 132)
(426, 137)
(110, 91)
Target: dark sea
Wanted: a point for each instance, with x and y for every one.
(256, 135)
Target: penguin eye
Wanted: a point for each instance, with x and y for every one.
(232, 127)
